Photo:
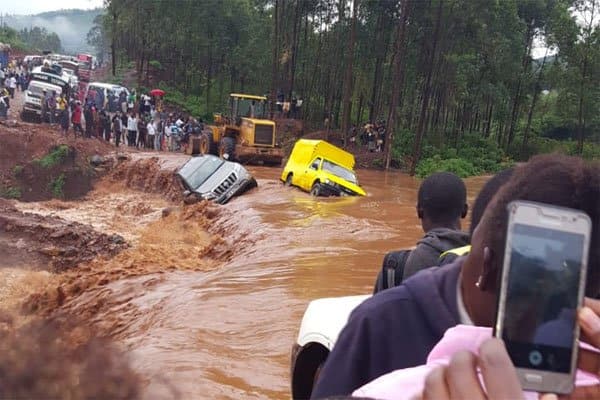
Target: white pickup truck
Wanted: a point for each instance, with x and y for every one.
(321, 325)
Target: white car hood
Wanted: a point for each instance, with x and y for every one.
(325, 318)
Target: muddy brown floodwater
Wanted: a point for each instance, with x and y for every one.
(225, 329)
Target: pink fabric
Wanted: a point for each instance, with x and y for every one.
(408, 383)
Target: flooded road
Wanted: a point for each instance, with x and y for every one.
(225, 328)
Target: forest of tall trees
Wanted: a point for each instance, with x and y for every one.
(454, 80)
(35, 39)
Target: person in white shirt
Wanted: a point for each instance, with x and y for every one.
(13, 86)
(132, 123)
(151, 133)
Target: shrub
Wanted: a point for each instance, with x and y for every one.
(17, 170)
(56, 156)
(56, 186)
(155, 64)
(10, 192)
(459, 166)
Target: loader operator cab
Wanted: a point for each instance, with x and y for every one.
(247, 106)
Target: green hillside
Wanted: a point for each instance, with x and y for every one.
(71, 26)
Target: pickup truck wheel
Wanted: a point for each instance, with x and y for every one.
(316, 189)
(205, 143)
(227, 148)
(288, 179)
(307, 369)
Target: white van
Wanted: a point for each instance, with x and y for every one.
(105, 88)
(32, 107)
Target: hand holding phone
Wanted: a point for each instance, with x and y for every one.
(542, 287)
(459, 379)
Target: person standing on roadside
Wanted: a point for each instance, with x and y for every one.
(52, 107)
(76, 119)
(89, 120)
(140, 140)
(63, 113)
(131, 129)
(117, 126)
(13, 86)
(106, 124)
(124, 119)
(123, 102)
(44, 105)
(151, 133)
(3, 103)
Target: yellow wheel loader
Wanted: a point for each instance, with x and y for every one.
(245, 134)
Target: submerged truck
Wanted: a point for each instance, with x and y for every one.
(245, 134)
(318, 167)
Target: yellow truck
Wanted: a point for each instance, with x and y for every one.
(245, 134)
(322, 169)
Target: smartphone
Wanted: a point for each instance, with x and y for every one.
(542, 287)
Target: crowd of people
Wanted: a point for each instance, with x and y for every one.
(134, 121)
(115, 116)
(370, 135)
(14, 76)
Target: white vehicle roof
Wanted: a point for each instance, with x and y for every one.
(47, 86)
(111, 86)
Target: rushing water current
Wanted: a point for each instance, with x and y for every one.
(227, 331)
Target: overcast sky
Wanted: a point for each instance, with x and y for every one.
(38, 6)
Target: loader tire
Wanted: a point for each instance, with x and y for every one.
(227, 148)
(205, 143)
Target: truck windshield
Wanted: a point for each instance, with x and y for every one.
(197, 177)
(340, 171)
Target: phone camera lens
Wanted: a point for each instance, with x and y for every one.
(535, 358)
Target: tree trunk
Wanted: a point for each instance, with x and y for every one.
(360, 109)
(380, 57)
(295, 40)
(488, 123)
(348, 79)
(426, 92)
(534, 98)
(274, 60)
(517, 99)
(397, 78)
(580, 117)
(113, 54)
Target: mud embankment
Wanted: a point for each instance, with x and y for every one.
(38, 163)
(148, 176)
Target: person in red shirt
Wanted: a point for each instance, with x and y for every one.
(76, 119)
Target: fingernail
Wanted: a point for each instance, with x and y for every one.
(549, 396)
(590, 319)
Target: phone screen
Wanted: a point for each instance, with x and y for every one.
(542, 297)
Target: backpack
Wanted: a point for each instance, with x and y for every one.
(392, 268)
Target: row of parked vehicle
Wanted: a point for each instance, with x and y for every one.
(61, 74)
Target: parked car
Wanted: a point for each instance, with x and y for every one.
(322, 169)
(321, 325)
(211, 178)
(105, 88)
(32, 106)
